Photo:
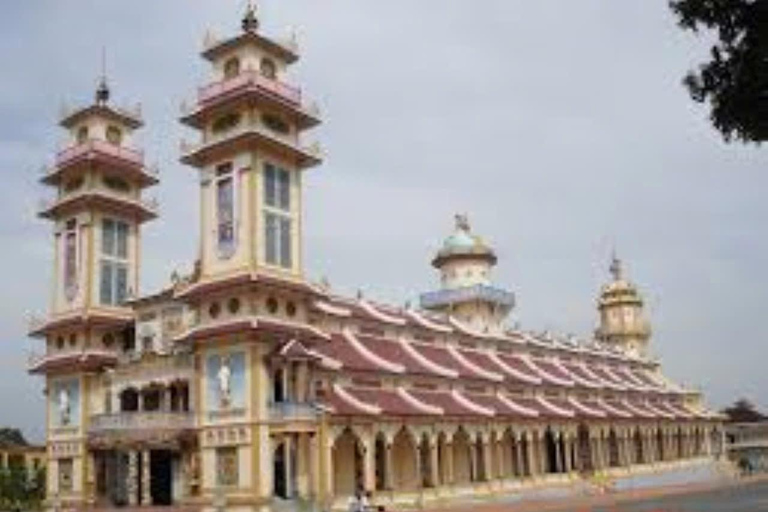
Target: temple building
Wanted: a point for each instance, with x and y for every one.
(246, 385)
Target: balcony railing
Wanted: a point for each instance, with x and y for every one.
(245, 80)
(134, 156)
(292, 411)
(149, 205)
(141, 421)
(312, 151)
(478, 292)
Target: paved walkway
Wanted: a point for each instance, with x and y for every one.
(743, 495)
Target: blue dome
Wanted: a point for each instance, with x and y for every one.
(459, 240)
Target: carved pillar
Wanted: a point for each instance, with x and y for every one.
(434, 475)
(520, 467)
(530, 441)
(558, 453)
(369, 463)
(146, 495)
(389, 480)
(449, 472)
(133, 478)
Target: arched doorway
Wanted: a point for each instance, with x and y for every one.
(347, 464)
(404, 461)
(613, 449)
(380, 462)
(522, 448)
(550, 445)
(585, 449)
(639, 455)
(425, 462)
(462, 460)
(660, 444)
(129, 400)
(508, 458)
(480, 473)
(279, 481)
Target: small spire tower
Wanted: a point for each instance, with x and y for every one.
(465, 263)
(623, 323)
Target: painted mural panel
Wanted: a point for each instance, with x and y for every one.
(225, 377)
(65, 403)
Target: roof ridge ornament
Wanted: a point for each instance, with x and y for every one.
(102, 90)
(250, 22)
(462, 222)
(615, 268)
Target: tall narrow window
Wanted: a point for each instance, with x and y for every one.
(70, 260)
(278, 223)
(225, 210)
(114, 262)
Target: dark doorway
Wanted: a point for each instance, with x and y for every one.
(161, 477)
(550, 443)
(585, 449)
(278, 472)
(278, 392)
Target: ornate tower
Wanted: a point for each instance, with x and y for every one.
(97, 213)
(250, 157)
(465, 263)
(622, 320)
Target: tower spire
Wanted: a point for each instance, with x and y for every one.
(615, 267)
(102, 90)
(250, 21)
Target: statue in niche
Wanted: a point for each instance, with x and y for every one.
(65, 407)
(225, 383)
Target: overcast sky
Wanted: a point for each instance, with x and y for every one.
(560, 127)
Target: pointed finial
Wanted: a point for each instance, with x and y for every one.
(250, 21)
(462, 222)
(102, 91)
(615, 267)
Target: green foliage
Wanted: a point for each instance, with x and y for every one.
(20, 489)
(735, 79)
(743, 411)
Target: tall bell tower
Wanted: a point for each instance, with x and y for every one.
(623, 323)
(250, 157)
(97, 212)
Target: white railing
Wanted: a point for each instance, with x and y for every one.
(292, 411)
(148, 204)
(482, 292)
(313, 150)
(135, 156)
(141, 421)
(248, 79)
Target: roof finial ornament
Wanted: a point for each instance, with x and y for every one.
(615, 267)
(462, 222)
(102, 91)
(250, 21)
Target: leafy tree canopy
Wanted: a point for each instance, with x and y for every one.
(735, 79)
(11, 437)
(743, 411)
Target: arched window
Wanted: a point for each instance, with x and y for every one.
(268, 68)
(82, 134)
(231, 68)
(70, 260)
(114, 135)
(225, 209)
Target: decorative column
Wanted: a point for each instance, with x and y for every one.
(558, 453)
(568, 455)
(146, 494)
(448, 470)
(434, 474)
(487, 458)
(369, 463)
(389, 480)
(133, 478)
(520, 467)
(530, 441)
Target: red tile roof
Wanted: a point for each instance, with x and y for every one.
(393, 351)
(445, 401)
